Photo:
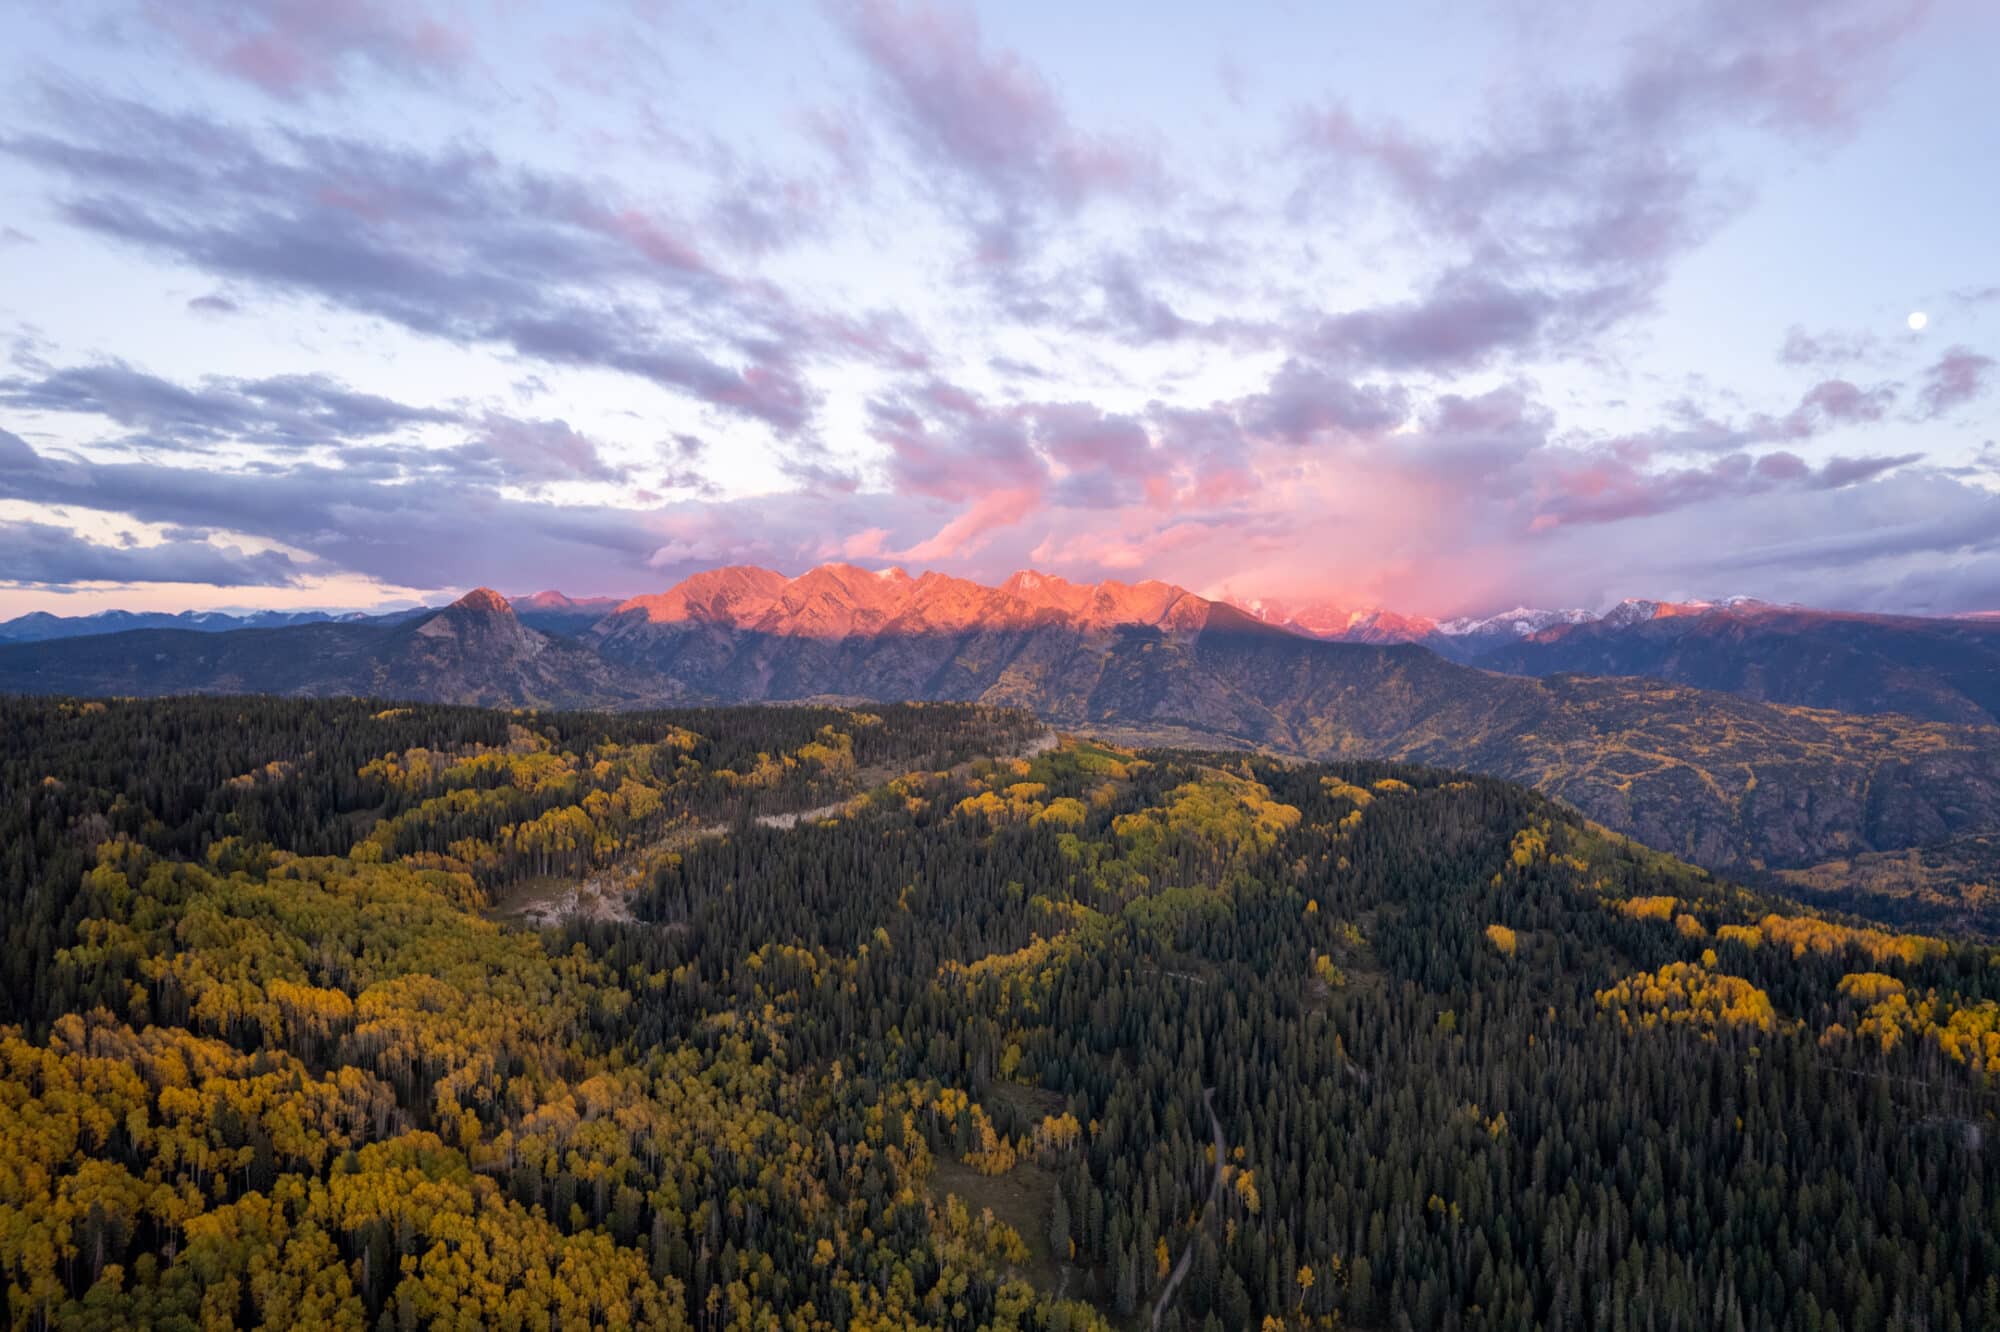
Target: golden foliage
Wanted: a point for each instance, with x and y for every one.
(1687, 993)
(1809, 933)
(1228, 813)
(1340, 790)
(1649, 908)
(1063, 812)
(994, 1154)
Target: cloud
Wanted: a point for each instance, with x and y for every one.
(1828, 405)
(1838, 402)
(1827, 348)
(1129, 377)
(293, 48)
(451, 527)
(946, 444)
(42, 554)
(1960, 376)
(539, 451)
(1304, 403)
(1841, 471)
(1597, 487)
(1572, 205)
(1472, 440)
(16, 454)
(289, 411)
(1131, 307)
(292, 413)
(1908, 541)
(1461, 323)
(450, 244)
(968, 531)
(986, 120)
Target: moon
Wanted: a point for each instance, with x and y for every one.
(1917, 321)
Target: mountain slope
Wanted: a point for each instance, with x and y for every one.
(1941, 670)
(1724, 781)
(1936, 669)
(1951, 887)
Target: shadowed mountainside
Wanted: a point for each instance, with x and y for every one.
(1724, 781)
(474, 651)
(1940, 670)
(1952, 887)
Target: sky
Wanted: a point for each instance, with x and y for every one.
(1442, 307)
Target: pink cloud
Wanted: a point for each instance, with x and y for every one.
(1004, 148)
(290, 48)
(969, 530)
(1959, 376)
(870, 543)
(987, 114)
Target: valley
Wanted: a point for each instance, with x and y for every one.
(1018, 1034)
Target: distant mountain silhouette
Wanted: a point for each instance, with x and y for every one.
(553, 613)
(473, 651)
(39, 626)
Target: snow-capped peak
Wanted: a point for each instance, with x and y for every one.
(1521, 621)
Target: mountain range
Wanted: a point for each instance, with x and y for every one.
(1726, 779)
(1936, 669)
(550, 611)
(474, 650)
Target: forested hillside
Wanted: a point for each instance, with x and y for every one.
(956, 1050)
(1952, 886)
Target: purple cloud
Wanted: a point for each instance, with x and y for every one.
(986, 119)
(1827, 405)
(1840, 471)
(1832, 402)
(1572, 206)
(292, 48)
(1461, 323)
(436, 532)
(452, 245)
(530, 452)
(1600, 488)
(1829, 348)
(946, 444)
(42, 554)
(1958, 377)
(284, 410)
(1304, 403)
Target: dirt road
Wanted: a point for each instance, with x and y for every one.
(1180, 1271)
